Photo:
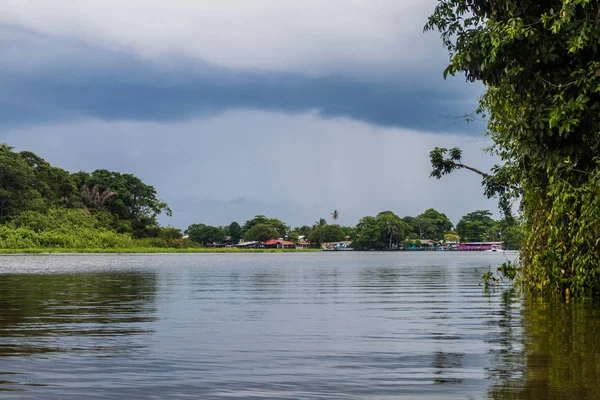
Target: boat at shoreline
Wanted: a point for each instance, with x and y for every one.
(337, 246)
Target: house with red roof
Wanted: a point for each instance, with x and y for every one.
(279, 244)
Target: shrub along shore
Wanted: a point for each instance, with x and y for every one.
(147, 250)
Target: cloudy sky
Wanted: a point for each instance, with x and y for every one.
(233, 108)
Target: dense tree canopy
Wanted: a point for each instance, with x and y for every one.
(54, 184)
(261, 232)
(205, 234)
(327, 233)
(476, 226)
(439, 222)
(281, 228)
(135, 204)
(539, 63)
(28, 183)
(385, 231)
(431, 224)
(303, 230)
(17, 184)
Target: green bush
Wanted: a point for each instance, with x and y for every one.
(60, 228)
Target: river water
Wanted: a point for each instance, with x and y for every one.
(286, 326)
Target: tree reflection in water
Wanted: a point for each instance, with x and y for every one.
(558, 353)
(38, 313)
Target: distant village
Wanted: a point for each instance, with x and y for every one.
(386, 231)
(346, 245)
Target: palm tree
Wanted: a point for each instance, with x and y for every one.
(93, 198)
(335, 215)
(321, 222)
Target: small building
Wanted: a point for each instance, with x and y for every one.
(249, 245)
(421, 245)
(480, 246)
(302, 245)
(279, 244)
(215, 245)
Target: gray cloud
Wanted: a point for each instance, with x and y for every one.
(237, 108)
(46, 79)
(309, 36)
(295, 167)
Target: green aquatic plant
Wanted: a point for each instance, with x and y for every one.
(507, 273)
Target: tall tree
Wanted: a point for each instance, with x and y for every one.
(17, 184)
(327, 233)
(477, 226)
(205, 234)
(320, 222)
(437, 224)
(278, 225)
(385, 231)
(235, 232)
(261, 232)
(304, 230)
(54, 184)
(421, 228)
(136, 204)
(539, 64)
(335, 215)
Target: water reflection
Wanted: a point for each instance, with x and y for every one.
(560, 353)
(37, 311)
(444, 363)
(348, 326)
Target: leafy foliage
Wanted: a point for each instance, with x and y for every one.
(327, 233)
(476, 226)
(60, 227)
(261, 232)
(385, 231)
(436, 224)
(17, 184)
(276, 224)
(30, 187)
(539, 63)
(451, 237)
(134, 204)
(205, 234)
(235, 232)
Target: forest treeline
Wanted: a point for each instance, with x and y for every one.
(384, 231)
(44, 206)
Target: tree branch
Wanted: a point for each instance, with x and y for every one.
(472, 169)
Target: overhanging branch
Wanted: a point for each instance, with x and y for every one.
(458, 165)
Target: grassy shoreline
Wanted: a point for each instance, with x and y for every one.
(148, 250)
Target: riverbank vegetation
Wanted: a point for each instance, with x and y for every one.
(44, 208)
(146, 250)
(385, 231)
(539, 64)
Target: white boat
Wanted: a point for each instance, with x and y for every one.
(495, 248)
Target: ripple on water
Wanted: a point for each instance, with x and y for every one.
(284, 326)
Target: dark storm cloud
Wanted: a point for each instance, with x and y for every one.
(47, 80)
